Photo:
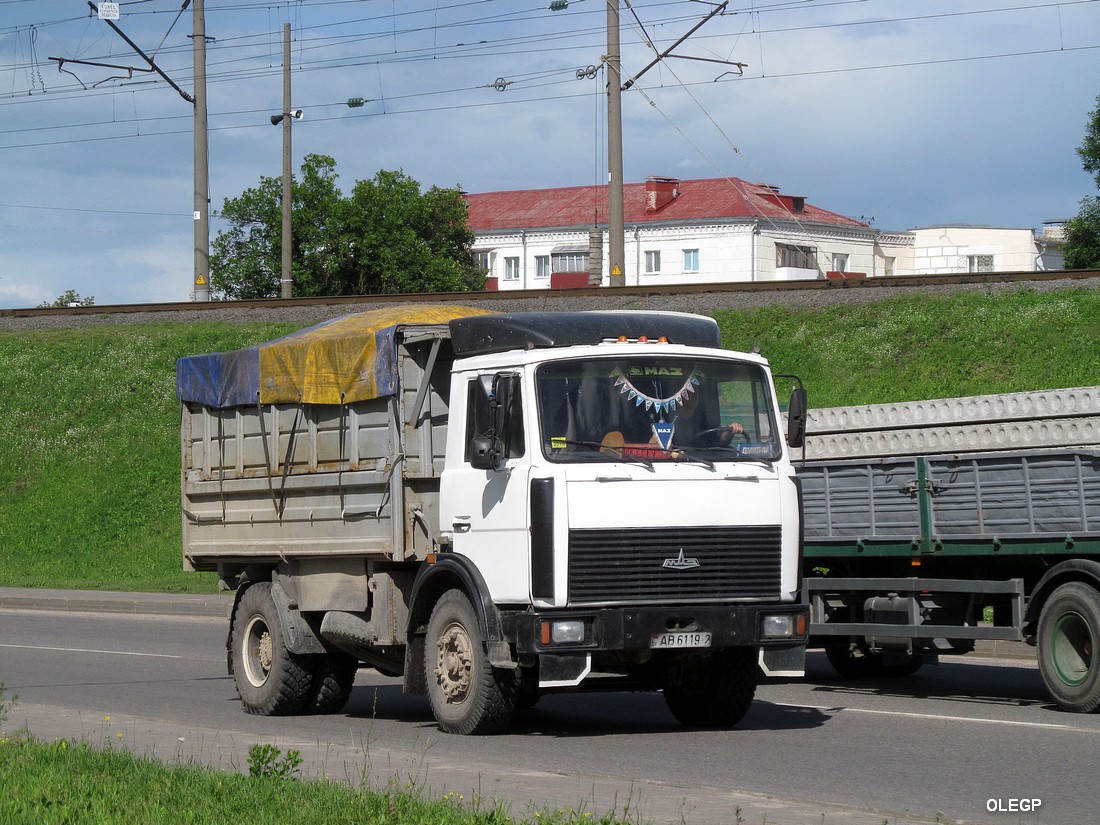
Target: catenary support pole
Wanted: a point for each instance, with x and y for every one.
(616, 229)
(201, 275)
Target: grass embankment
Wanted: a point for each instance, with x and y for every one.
(89, 459)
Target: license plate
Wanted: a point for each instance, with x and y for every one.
(696, 638)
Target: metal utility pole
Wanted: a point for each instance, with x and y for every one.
(287, 280)
(202, 158)
(616, 224)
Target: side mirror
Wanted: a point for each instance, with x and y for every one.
(490, 450)
(486, 453)
(796, 418)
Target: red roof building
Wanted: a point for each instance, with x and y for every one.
(677, 231)
(658, 200)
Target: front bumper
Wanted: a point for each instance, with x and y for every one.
(633, 628)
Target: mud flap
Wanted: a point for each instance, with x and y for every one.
(563, 670)
(787, 660)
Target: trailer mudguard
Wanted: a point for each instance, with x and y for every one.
(1082, 570)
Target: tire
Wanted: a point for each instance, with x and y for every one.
(852, 660)
(271, 681)
(1069, 626)
(716, 690)
(467, 694)
(333, 678)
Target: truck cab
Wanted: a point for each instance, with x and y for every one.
(628, 503)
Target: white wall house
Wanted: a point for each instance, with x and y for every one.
(719, 230)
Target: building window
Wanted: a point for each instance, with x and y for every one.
(979, 263)
(888, 265)
(569, 262)
(511, 269)
(484, 261)
(840, 262)
(691, 260)
(652, 262)
(542, 266)
(795, 257)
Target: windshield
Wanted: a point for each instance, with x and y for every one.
(655, 408)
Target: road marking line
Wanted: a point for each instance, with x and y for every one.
(936, 716)
(92, 650)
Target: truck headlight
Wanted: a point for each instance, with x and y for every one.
(783, 626)
(569, 631)
(561, 632)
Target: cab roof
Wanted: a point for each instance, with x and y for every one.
(484, 334)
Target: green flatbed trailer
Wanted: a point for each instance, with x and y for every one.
(933, 525)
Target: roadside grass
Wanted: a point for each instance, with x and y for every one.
(89, 459)
(76, 781)
(72, 781)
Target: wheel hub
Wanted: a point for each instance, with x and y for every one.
(259, 654)
(454, 665)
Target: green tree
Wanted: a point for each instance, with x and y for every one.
(1083, 231)
(69, 298)
(405, 241)
(387, 237)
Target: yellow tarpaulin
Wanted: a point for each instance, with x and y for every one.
(349, 359)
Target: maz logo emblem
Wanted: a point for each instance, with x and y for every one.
(680, 563)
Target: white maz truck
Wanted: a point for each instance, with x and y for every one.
(497, 506)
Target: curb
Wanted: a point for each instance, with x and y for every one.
(112, 601)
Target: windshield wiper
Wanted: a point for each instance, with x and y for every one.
(683, 455)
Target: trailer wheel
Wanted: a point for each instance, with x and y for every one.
(333, 678)
(1068, 629)
(271, 681)
(467, 694)
(716, 690)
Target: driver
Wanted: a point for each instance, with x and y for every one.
(696, 433)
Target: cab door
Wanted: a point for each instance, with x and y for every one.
(486, 509)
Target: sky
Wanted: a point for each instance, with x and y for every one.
(902, 114)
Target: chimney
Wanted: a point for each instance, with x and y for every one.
(660, 192)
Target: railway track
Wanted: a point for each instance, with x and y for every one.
(883, 285)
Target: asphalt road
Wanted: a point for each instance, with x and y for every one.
(947, 745)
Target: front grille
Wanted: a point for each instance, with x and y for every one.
(628, 565)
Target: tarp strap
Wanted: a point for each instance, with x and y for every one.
(343, 444)
(425, 383)
(292, 442)
(221, 463)
(267, 452)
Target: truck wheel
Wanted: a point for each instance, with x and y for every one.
(467, 694)
(271, 680)
(333, 678)
(1068, 629)
(716, 690)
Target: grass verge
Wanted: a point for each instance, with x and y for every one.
(73, 782)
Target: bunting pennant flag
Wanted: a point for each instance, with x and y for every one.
(653, 404)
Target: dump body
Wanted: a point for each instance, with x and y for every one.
(263, 482)
(923, 518)
(539, 497)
